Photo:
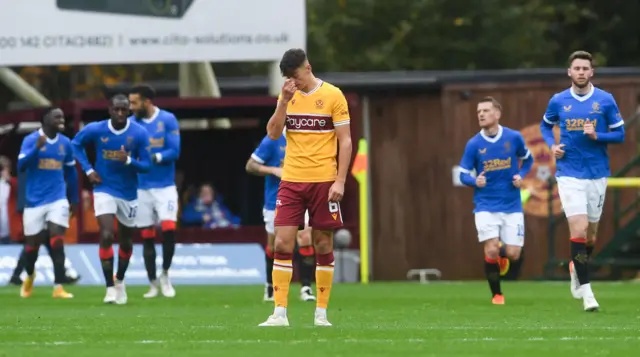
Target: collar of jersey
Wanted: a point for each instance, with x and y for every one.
(495, 138)
(50, 141)
(314, 89)
(118, 132)
(582, 98)
(153, 117)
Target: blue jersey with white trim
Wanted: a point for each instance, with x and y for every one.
(584, 158)
(47, 170)
(164, 137)
(270, 153)
(119, 179)
(498, 158)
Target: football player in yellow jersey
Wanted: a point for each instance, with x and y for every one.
(317, 120)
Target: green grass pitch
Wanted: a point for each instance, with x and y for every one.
(381, 319)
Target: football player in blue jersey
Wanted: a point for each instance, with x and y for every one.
(157, 193)
(122, 151)
(46, 158)
(589, 120)
(496, 153)
(267, 161)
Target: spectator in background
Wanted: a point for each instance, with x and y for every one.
(208, 211)
(5, 192)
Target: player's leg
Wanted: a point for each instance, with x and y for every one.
(58, 222)
(105, 208)
(126, 217)
(269, 217)
(166, 207)
(596, 196)
(306, 262)
(324, 218)
(34, 219)
(512, 235)
(289, 216)
(20, 264)
(145, 220)
(574, 197)
(488, 225)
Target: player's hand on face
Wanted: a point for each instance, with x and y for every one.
(481, 181)
(336, 191)
(122, 154)
(42, 139)
(557, 151)
(590, 130)
(277, 171)
(517, 181)
(94, 178)
(289, 89)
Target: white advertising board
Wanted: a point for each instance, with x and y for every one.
(71, 32)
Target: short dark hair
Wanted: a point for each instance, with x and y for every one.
(45, 112)
(145, 91)
(118, 96)
(292, 60)
(493, 102)
(583, 55)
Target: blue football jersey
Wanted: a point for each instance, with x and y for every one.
(119, 179)
(584, 157)
(47, 170)
(164, 137)
(499, 158)
(270, 153)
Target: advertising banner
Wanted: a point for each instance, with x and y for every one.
(193, 264)
(71, 32)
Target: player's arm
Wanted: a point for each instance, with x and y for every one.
(549, 120)
(615, 124)
(255, 164)
(171, 150)
(71, 177)
(82, 138)
(525, 156)
(28, 153)
(275, 126)
(142, 156)
(467, 164)
(341, 123)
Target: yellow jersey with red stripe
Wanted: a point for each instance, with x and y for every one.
(312, 144)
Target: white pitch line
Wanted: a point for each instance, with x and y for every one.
(351, 340)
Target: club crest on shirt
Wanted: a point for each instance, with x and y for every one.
(160, 127)
(129, 140)
(319, 104)
(61, 150)
(595, 108)
(507, 147)
(567, 108)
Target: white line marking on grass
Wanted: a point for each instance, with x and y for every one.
(349, 341)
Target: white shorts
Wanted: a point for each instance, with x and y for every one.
(34, 219)
(125, 211)
(509, 227)
(582, 196)
(157, 205)
(270, 218)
